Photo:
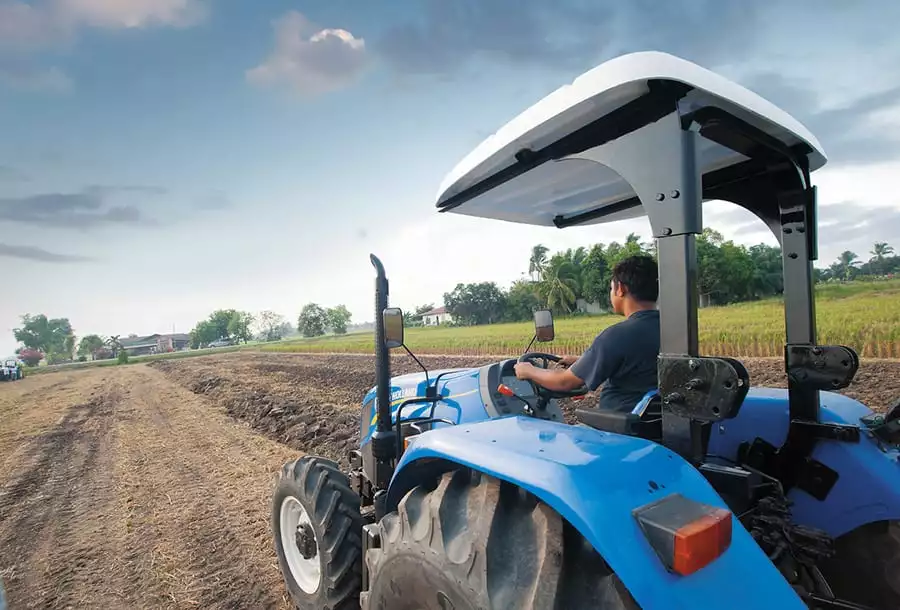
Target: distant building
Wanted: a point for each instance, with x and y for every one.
(585, 306)
(156, 344)
(436, 316)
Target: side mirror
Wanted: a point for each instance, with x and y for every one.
(543, 325)
(393, 327)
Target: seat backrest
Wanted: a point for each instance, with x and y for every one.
(644, 424)
(651, 400)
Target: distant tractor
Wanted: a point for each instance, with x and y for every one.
(11, 370)
(469, 491)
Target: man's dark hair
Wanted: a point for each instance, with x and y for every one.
(640, 276)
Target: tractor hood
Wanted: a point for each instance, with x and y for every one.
(529, 171)
(461, 389)
(412, 385)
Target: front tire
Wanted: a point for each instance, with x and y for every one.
(317, 526)
(866, 566)
(476, 543)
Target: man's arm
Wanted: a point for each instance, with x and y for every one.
(558, 380)
(599, 360)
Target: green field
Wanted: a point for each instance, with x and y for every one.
(865, 316)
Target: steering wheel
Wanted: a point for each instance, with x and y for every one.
(540, 390)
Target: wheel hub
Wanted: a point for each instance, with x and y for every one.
(298, 539)
(305, 539)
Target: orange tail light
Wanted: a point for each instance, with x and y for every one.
(686, 535)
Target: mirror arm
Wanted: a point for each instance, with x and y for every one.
(421, 366)
(533, 339)
(431, 391)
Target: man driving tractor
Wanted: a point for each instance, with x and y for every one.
(623, 357)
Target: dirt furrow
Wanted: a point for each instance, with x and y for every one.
(53, 514)
(31, 408)
(197, 495)
(311, 402)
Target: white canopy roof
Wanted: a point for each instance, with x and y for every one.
(571, 185)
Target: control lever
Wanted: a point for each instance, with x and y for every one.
(508, 391)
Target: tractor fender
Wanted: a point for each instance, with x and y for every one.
(867, 472)
(594, 480)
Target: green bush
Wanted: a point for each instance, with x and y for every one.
(122, 358)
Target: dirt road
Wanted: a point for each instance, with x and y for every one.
(148, 486)
(122, 490)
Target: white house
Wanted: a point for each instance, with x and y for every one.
(586, 306)
(438, 315)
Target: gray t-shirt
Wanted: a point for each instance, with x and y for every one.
(623, 359)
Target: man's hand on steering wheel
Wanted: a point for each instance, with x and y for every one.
(525, 369)
(567, 361)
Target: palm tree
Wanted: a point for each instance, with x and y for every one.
(114, 344)
(835, 270)
(577, 257)
(881, 250)
(559, 285)
(538, 261)
(848, 261)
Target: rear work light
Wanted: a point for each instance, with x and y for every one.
(686, 535)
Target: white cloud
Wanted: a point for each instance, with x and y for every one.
(25, 27)
(28, 28)
(115, 14)
(308, 60)
(32, 26)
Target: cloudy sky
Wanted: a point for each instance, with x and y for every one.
(162, 158)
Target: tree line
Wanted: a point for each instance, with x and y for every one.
(561, 281)
(883, 262)
(237, 326)
(54, 339)
(728, 273)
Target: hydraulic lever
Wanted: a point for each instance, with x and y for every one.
(508, 391)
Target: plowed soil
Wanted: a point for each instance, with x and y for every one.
(148, 486)
(311, 402)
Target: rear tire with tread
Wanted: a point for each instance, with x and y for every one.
(477, 543)
(866, 566)
(334, 514)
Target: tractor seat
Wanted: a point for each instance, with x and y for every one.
(645, 421)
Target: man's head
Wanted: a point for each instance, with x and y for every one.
(635, 280)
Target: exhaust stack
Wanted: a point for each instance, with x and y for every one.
(382, 354)
(384, 449)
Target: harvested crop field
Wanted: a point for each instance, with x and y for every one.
(148, 486)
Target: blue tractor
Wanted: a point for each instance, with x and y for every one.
(470, 491)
